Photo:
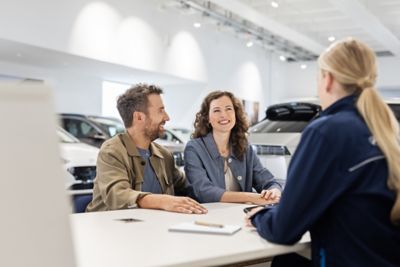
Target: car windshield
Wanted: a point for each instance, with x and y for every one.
(268, 126)
(290, 117)
(65, 137)
(182, 133)
(170, 137)
(112, 127)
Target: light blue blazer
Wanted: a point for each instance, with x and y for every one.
(204, 168)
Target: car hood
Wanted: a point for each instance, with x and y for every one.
(289, 140)
(79, 154)
(171, 146)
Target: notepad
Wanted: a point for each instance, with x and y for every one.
(191, 227)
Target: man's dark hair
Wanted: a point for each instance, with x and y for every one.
(135, 99)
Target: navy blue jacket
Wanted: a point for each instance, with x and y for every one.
(337, 189)
(204, 168)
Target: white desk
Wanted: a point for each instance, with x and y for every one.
(100, 240)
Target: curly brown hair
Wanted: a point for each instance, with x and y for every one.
(237, 139)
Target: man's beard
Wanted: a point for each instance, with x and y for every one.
(153, 132)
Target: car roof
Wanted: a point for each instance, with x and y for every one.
(293, 111)
(73, 115)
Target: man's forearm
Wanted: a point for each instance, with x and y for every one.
(151, 201)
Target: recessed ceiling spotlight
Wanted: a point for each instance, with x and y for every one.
(282, 58)
(331, 38)
(197, 24)
(249, 44)
(303, 66)
(274, 4)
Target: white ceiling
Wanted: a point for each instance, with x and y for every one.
(376, 22)
(47, 59)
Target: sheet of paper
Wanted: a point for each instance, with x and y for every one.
(191, 227)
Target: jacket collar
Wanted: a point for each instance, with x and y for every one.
(132, 150)
(212, 146)
(345, 103)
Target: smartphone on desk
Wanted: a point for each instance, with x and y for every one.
(248, 209)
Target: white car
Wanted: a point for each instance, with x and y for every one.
(173, 143)
(79, 161)
(275, 138)
(183, 133)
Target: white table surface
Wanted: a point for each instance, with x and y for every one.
(100, 240)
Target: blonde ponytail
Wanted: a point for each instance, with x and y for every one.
(385, 129)
(353, 64)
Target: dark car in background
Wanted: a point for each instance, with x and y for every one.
(84, 128)
(111, 126)
(395, 106)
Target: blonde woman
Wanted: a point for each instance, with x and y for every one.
(344, 179)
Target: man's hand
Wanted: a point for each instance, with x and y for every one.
(182, 205)
(171, 203)
(273, 195)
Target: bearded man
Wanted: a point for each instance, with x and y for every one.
(135, 172)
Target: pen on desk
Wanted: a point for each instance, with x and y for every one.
(209, 224)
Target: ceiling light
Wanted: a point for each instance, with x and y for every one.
(303, 66)
(282, 58)
(197, 24)
(274, 4)
(249, 44)
(331, 38)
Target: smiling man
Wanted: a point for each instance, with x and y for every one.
(132, 170)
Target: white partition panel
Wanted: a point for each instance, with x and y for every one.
(34, 225)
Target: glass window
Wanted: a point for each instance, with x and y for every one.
(66, 137)
(168, 136)
(87, 129)
(111, 126)
(71, 126)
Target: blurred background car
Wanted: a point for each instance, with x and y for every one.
(85, 129)
(395, 106)
(183, 133)
(174, 144)
(110, 125)
(94, 130)
(79, 161)
(276, 137)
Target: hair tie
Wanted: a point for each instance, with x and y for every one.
(365, 82)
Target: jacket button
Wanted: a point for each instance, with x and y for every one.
(229, 160)
(239, 178)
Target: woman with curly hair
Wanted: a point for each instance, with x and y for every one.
(219, 163)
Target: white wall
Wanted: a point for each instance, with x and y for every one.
(137, 34)
(388, 72)
(73, 91)
(299, 83)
